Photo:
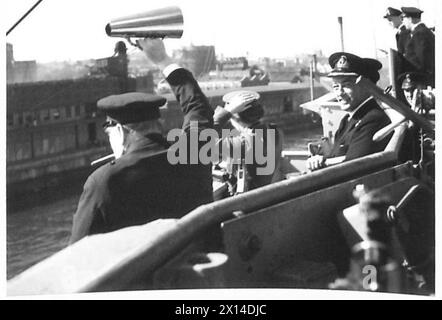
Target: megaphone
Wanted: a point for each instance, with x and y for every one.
(160, 23)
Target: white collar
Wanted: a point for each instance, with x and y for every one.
(351, 113)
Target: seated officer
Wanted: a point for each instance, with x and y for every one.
(140, 185)
(414, 86)
(354, 137)
(244, 111)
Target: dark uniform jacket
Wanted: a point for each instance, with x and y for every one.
(142, 185)
(354, 137)
(402, 39)
(420, 52)
(256, 180)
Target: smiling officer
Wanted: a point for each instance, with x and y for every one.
(354, 137)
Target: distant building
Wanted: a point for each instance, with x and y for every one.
(25, 71)
(45, 118)
(57, 117)
(19, 71)
(9, 63)
(239, 63)
(116, 66)
(112, 66)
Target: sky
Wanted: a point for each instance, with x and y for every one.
(60, 30)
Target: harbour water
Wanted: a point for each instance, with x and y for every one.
(34, 234)
(41, 229)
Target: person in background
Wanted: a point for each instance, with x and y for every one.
(414, 86)
(394, 17)
(420, 50)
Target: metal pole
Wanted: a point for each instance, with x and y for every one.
(31, 137)
(23, 17)
(342, 32)
(392, 72)
(312, 94)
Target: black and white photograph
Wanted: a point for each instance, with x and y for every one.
(219, 150)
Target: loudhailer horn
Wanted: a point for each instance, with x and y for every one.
(160, 23)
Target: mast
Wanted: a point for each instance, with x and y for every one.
(341, 32)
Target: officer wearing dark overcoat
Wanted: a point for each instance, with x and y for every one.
(140, 185)
(354, 137)
(420, 50)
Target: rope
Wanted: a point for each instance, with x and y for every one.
(24, 16)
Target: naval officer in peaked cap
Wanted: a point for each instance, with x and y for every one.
(354, 137)
(394, 17)
(140, 185)
(420, 50)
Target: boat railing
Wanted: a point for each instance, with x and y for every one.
(149, 253)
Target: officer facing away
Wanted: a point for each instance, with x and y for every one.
(140, 185)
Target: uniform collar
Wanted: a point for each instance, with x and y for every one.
(138, 143)
(416, 25)
(353, 112)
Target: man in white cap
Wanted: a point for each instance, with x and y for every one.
(244, 111)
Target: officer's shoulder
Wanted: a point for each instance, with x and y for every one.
(150, 158)
(422, 30)
(373, 113)
(376, 116)
(376, 112)
(105, 171)
(100, 174)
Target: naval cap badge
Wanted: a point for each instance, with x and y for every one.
(342, 63)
